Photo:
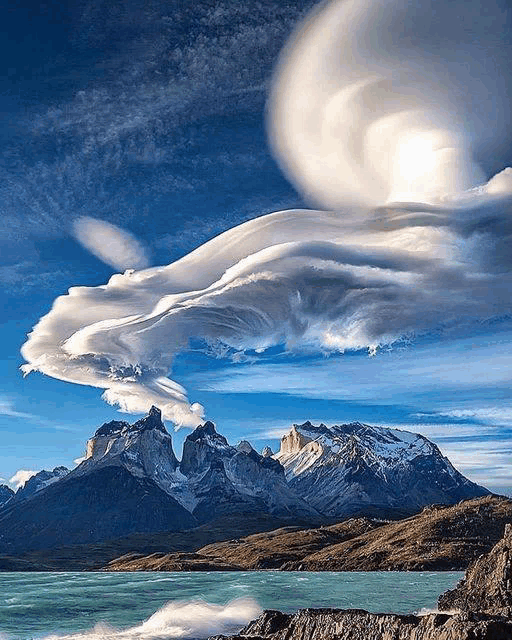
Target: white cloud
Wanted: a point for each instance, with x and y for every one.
(293, 277)
(21, 476)
(352, 121)
(7, 408)
(359, 277)
(493, 415)
(109, 243)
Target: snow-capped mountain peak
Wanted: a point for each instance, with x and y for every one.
(346, 468)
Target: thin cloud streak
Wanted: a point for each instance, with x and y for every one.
(388, 377)
(7, 408)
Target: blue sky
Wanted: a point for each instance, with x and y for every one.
(151, 117)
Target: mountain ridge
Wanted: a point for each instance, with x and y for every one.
(320, 474)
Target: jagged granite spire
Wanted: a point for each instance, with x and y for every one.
(224, 479)
(144, 448)
(152, 421)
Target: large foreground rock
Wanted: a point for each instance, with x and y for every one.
(487, 585)
(483, 601)
(355, 624)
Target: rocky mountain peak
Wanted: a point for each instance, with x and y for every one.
(342, 469)
(294, 441)
(6, 493)
(116, 427)
(244, 446)
(267, 452)
(203, 431)
(201, 447)
(111, 428)
(152, 421)
(39, 481)
(144, 448)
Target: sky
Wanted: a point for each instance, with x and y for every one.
(133, 134)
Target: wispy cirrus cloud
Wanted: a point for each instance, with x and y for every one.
(130, 139)
(475, 366)
(21, 277)
(498, 415)
(7, 408)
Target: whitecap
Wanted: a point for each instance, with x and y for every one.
(178, 619)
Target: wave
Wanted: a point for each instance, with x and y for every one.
(178, 619)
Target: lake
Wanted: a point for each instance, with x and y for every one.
(167, 605)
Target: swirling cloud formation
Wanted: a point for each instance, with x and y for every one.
(356, 129)
(392, 100)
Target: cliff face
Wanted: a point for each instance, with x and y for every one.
(222, 479)
(485, 597)
(143, 448)
(6, 493)
(487, 585)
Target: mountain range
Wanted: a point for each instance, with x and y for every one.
(132, 482)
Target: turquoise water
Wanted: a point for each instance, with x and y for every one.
(115, 605)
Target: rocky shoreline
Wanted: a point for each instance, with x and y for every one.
(479, 608)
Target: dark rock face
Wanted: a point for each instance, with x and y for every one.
(485, 597)
(202, 447)
(332, 624)
(487, 585)
(144, 448)
(106, 503)
(39, 481)
(111, 428)
(216, 496)
(6, 493)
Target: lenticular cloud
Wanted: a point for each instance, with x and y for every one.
(377, 112)
(392, 100)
